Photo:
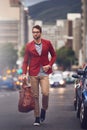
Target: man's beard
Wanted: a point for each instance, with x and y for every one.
(36, 38)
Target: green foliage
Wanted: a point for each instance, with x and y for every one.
(22, 51)
(65, 57)
(8, 56)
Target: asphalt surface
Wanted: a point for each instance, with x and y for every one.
(60, 115)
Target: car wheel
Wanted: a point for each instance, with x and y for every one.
(78, 107)
(75, 104)
(75, 100)
(83, 116)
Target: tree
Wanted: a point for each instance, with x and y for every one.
(22, 51)
(8, 56)
(65, 57)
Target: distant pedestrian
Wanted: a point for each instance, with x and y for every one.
(40, 66)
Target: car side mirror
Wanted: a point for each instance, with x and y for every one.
(80, 72)
(75, 76)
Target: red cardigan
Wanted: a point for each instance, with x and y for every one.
(33, 60)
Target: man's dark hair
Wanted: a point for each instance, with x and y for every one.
(37, 27)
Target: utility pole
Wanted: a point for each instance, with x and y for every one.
(23, 30)
(23, 24)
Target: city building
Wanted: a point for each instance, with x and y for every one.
(56, 33)
(7, 11)
(16, 28)
(9, 22)
(13, 23)
(76, 31)
(75, 18)
(84, 31)
(9, 32)
(71, 17)
(61, 32)
(77, 36)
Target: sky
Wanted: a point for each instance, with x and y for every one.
(31, 2)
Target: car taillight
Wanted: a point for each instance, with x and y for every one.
(80, 83)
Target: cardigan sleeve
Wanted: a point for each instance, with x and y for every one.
(53, 54)
(26, 60)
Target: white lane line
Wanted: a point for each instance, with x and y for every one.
(2, 95)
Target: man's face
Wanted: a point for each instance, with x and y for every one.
(36, 33)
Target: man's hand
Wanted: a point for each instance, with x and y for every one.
(24, 78)
(46, 68)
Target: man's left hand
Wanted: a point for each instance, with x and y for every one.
(46, 68)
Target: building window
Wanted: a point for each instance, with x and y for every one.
(14, 3)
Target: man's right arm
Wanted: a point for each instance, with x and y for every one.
(25, 61)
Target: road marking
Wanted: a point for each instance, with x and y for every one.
(2, 95)
(5, 93)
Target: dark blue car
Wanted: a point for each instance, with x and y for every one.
(81, 96)
(7, 83)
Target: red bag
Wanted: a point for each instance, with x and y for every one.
(26, 101)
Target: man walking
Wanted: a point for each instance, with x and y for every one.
(40, 66)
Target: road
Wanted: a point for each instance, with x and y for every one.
(60, 115)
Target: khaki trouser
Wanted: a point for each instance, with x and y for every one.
(43, 81)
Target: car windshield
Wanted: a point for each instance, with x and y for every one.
(56, 77)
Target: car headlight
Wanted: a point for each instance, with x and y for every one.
(62, 82)
(21, 84)
(17, 83)
(4, 78)
(51, 81)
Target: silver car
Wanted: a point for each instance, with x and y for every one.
(56, 80)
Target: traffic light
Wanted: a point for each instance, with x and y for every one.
(19, 71)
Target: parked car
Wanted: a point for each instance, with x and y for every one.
(7, 83)
(68, 77)
(81, 96)
(77, 87)
(56, 79)
(18, 81)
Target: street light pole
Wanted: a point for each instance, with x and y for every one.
(23, 25)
